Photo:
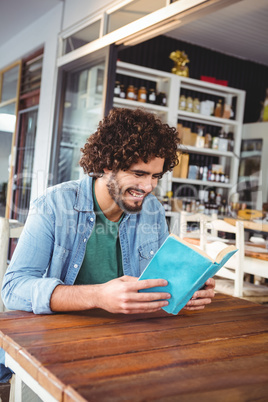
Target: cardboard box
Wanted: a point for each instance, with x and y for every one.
(188, 137)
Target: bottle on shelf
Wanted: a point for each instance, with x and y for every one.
(212, 197)
(142, 95)
(222, 141)
(189, 104)
(212, 176)
(169, 195)
(165, 203)
(205, 174)
(218, 177)
(215, 142)
(196, 105)
(227, 111)
(182, 102)
(218, 109)
(161, 99)
(130, 95)
(230, 137)
(218, 199)
(122, 91)
(201, 172)
(208, 141)
(200, 139)
(117, 89)
(152, 96)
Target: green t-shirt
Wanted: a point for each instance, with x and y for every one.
(103, 257)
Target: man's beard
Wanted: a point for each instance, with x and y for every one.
(116, 193)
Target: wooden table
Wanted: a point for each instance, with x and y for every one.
(256, 226)
(218, 354)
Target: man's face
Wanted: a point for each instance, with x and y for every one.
(128, 189)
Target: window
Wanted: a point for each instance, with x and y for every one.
(82, 37)
(132, 12)
(82, 111)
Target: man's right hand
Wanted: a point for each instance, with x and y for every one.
(121, 295)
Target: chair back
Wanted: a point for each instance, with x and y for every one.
(213, 244)
(198, 220)
(8, 229)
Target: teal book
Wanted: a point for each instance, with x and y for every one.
(185, 267)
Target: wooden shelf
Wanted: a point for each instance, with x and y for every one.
(202, 183)
(209, 119)
(120, 102)
(206, 151)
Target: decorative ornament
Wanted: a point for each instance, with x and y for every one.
(180, 59)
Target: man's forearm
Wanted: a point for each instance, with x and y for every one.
(120, 295)
(74, 297)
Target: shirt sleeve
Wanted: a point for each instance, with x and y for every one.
(25, 285)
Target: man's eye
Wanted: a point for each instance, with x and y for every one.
(138, 174)
(159, 176)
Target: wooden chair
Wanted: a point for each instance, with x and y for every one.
(8, 229)
(234, 267)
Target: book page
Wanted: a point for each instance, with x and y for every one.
(193, 247)
(223, 252)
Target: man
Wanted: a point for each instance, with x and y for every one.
(86, 242)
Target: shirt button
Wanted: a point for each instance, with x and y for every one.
(151, 252)
(91, 219)
(85, 240)
(75, 265)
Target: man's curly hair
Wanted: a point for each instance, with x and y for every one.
(125, 136)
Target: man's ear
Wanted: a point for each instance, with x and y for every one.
(106, 170)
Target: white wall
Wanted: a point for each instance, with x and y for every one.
(42, 32)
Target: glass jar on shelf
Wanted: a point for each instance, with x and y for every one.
(122, 91)
(130, 95)
(189, 104)
(117, 89)
(196, 105)
(218, 109)
(152, 96)
(182, 102)
(142, 95)
(161, 99)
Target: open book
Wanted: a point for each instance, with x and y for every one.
(185, 267)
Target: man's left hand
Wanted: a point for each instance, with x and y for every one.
(202, 297)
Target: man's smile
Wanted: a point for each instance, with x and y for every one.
(136, 193)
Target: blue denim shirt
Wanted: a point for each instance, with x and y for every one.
(52, 246)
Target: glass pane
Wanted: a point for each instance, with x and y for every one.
(132, 12)
(24, 165)
(249, 182)
(7, 127)
(8, 118)
(9, 85)
(81, 115)
(80, 38)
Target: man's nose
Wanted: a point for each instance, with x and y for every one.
(147, 184)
